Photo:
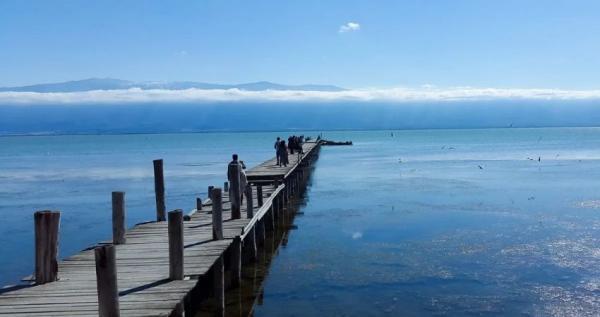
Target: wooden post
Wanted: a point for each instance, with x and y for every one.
(159, 189)
(282, 200)
(276, 207)
(217, 214)
(286, 191)
(249, 202)
(250, 245)
(118, 217)
(219, 284)
(210, 188)
(198, 204)
(293, 185)
(106, 281)
(236, 262)
(175, 231)
(260, 232)
(270, 225)
(234, 191)
(259, 195)
(46, 224)
(226, 187)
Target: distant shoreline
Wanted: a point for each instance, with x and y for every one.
(272, 131)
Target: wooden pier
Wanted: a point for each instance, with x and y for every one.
(161, 268)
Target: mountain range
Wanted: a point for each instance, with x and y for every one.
(118, 84)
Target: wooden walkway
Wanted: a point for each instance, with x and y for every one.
(269, 170)
(143, 262)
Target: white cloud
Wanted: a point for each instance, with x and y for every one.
(349, 27)
(357, 235)
(400, 95)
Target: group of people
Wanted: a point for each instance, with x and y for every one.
(294, 144)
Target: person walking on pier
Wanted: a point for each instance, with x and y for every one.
(276, 146)
(283, 153)
(243, 181)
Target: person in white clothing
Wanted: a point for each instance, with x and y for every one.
(243, 181)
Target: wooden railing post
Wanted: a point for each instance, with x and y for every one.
(226, 187)
(249, 202)
(270, 224)
(259, 195)
(234, 190)
(176, 244)
(210, 188)
(118, 217)
(159, 189)
(46, 224)
(219, 285)
(217, 213)
(198, 204)
(250, 245)
(261, 233)
(106, 281)
(236, 262)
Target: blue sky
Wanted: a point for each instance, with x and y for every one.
(501, 44)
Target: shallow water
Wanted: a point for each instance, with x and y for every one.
(431, 222)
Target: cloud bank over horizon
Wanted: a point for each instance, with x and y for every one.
(194, 95)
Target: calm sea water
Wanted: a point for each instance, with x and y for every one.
(502, 222)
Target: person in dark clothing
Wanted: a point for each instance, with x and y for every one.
(276, 147)
(284, 153)
(291, 144)
(231, 172)
(300, 142)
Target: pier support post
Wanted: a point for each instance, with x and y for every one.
(175, 231)
(274, 209)
(260, 232)
(217, 213)
(219, 285)
(249, 202)
(270, 219)
(118, 217)
(106, 281)
(46, 245)
(226, 186)
(209, 193)
(259, 195)
(250, 245)
(159, 189)
(234, 192)
(198, 204)
(236, 262)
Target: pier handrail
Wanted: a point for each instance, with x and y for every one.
(261, 211)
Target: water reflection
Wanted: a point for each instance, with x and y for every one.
(241, 301)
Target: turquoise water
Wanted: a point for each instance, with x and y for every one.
(429, 222)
